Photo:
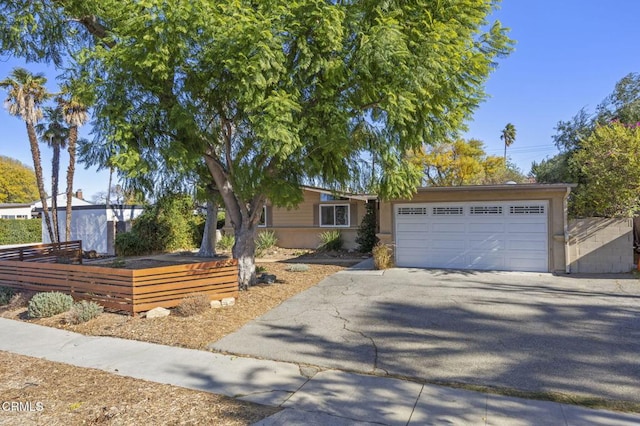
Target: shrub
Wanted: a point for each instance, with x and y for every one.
(265, 241)
(44, 305)
(83, 311)
(366, 238)
(226, 242)
(330, 240)
(221, 219)
(20, 231)
(298, 267)
(169, 225)
(382, 256)
(193, 304)
(6, 294)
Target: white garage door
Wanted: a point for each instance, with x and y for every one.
(504, 236)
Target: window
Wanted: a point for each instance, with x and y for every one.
(334, 215)
(526, 209)
(485, 210)
(412, 210)
(329, 197)
(7, 217)
(263, 218)
(440, 211)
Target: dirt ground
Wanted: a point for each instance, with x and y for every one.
(72, 395)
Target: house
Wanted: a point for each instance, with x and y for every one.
(321, 210)
(16, 210)
(96, 224)
(510, 227)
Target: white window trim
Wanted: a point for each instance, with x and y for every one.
(334, 205)
(264, 212)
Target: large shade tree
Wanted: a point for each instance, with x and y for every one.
(268, 94)
(463, 162)
(17, 182)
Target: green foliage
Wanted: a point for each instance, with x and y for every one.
(83, 311)
(609, 159)
(44, 305)
(382, 256)
(226, 242)
(221, 219)
(264, 241)
(330, 240)
(20, 231)
(6, 293)
(366, 238)
(275, 92)
(193, 304)
(168, 225)
(554, 170)
(298, 267)
(464, 163)
(17, 182)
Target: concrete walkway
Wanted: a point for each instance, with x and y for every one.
(308, 395)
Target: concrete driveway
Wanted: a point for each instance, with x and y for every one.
(528, 331)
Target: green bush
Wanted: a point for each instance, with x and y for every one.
(264, 241)
(221, 219)
(193, 304)
(298, 267)
(382, 256)
(13, 231)
(366, 238)
(168, 225)
(83, 311)
(330, 240)
(226, 242)
(44, 305)
(6, 293)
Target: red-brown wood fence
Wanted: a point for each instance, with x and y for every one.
(69, 251)
(129, 290)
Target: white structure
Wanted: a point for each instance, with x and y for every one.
(15, 211)
(95, 225)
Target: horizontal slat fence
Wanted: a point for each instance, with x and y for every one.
(68, 251)
(129, 290)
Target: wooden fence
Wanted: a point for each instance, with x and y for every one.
(67, 251)
(129, 290)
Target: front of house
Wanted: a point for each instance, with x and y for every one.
(510, 227)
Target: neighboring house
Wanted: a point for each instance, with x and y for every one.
(15, 211)
(321, 210)
(95, 224)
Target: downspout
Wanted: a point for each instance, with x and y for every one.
(565, 207)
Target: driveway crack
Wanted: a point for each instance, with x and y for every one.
(364, 335)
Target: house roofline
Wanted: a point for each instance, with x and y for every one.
(501, 187)
(362, 197)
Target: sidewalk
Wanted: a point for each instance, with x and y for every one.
(308, 395)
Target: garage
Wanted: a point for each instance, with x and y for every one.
(481, 235)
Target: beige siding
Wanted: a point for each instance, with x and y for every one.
(300, 216)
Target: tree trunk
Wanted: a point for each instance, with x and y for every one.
(208, 245)
(108, 200)
(244, 250)
(71, 170)
(37, 165)
(55, 174)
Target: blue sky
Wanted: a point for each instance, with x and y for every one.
(568, 54)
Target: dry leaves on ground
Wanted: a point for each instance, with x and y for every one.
(52, 393)
(72, 395)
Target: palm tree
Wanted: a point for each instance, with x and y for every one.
(55, 133)
(509, 137)
(26, 94)
(75, 114)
